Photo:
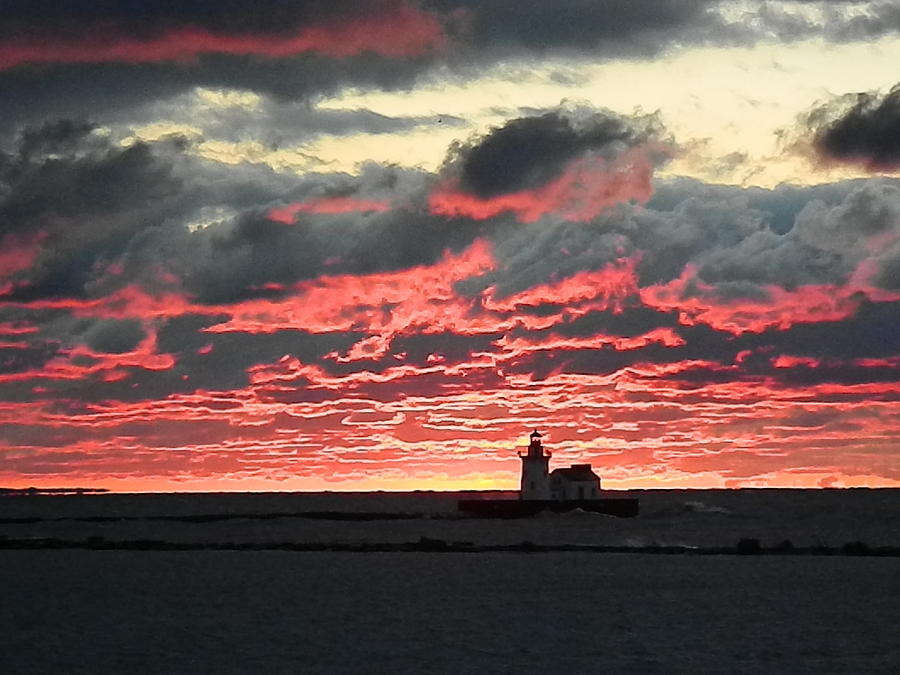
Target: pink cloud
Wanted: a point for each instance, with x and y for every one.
(586, 188)
(401, 31)
(288, 214)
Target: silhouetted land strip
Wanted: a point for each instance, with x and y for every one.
(491, 513)
(497, 509)
(621, 507)
(217, 517)
(33, 491)
(428, 545)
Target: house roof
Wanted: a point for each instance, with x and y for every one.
(576, 472)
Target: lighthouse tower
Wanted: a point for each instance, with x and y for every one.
(535, 470)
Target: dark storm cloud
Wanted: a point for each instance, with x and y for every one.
(530, 151)
(740, 242)
(112, 336)
(479, 35)
(690, 223)
(107, 90)
(84, 201)
(53, 138)
(861, 129)
(889, 268)
(102, 216)
(536, 253)
(606, 26)
(106, 216)
(872, 332)
(140, 18)
(21, 358)
(836, 346)
(532, 26)
(788, 236)
(233, 261)
(637, 320)
(115, 92)
(503, 29)
(219, 361)
(112, 216)
(825, 244)
(52, 67)
(204, 361)
(833, 20)
(574, 24)
(836, 21)
(778, 206)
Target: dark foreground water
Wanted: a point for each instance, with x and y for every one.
(276, 611)
(281, 612)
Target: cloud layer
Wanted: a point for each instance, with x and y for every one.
(191, 296)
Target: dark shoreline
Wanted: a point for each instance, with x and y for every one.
(217, 517)
(745, 547)
(37, 492)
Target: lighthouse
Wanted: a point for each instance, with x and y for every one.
(574, 484)
(563, 489)
(535, 470)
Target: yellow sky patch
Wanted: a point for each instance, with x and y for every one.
(717, 102)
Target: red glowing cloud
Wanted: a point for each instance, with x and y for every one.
(603, 288)
(385, 303)
(18, 253)
(439, 384)
(80, 363)
(787, 361)
(586, 188)
(287, 214)
(401, 31)
(699, 302)
(515, 347)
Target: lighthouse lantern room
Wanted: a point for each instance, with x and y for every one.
(535, 470)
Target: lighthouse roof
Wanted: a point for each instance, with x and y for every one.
(576, 472)
(536, 434)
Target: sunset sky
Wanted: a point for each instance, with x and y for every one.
(310, 245)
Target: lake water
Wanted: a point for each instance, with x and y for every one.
(88, 611)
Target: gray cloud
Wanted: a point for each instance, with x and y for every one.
(85, 203)
(888, 276)
(106, 216)
(861, 129)
(228, 263)
(283, 123)
(530, 151)
(825, 244)
(602, 25)
(112, 216)
(45, 18)
(740, 241)
(113, 336)
(113, 93)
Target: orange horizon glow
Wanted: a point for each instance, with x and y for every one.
(484, 483)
